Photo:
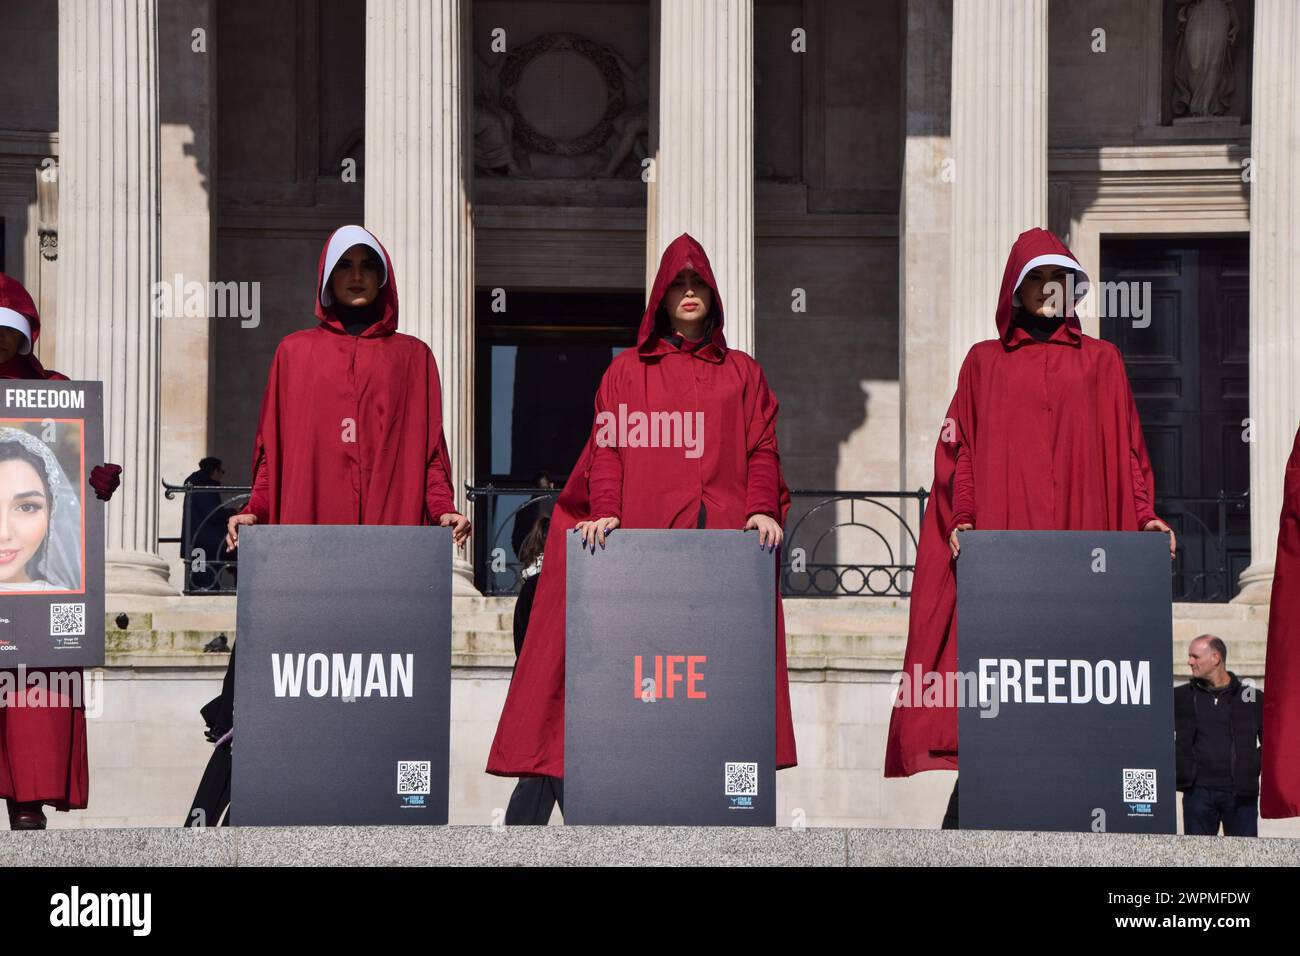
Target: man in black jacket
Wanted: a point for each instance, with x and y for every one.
(1218, 723)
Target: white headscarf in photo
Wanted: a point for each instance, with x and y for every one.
(58, 561)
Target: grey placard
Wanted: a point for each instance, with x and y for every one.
(697, 746)
(330, 748)
(53, 616)
(1101, 603)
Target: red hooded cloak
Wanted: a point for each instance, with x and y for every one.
(43, 755)
(1039, 436)
(14, 296)
(738, 475)
(351, 425)
(1279, 788)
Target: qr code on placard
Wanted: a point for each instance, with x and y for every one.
(67, 620)
(1139, 786)
(413, 776)
(742, 780)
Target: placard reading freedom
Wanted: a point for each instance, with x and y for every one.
(343, 676)
(670, 680)
(52, 535)
(1066, 638)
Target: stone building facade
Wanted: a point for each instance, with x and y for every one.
(856, 170)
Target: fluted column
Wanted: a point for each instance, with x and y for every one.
(418, 176)
(108, 257)
(704, 169)
(1274, 272)
(925, 240)
(999, 144)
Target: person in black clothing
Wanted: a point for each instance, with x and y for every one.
(1218, 728)
(206, 523)
(526, 517)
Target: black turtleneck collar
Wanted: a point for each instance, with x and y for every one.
(1040, 327)
(356, 319)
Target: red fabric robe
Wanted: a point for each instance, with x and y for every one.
(351, 425)
(739, 474)
(1279, 787)
(1039, 436)
(14, 296)
(43, 754)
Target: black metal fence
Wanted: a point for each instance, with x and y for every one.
(1213, 544)
(837, 543)
(208, 568)
(877, 527)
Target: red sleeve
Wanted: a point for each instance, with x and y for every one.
(763, 485)
(439, 495)
(963, 488)
(605, 481)
(259, 501)
(1141, 494)
(1144, 481)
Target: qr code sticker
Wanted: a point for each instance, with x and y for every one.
(413, 776)
(1139, 786)
(742, 780)
(67, 620)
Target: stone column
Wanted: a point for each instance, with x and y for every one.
(925, 236)
(1274, 271)
(418, 177)
(704, 167)
(999, 144)
(187, 141)
(109, 172)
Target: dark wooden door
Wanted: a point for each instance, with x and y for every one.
(1189, 372)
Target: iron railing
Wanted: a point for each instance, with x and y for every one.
(208, 569)
(837, 543)
(496, 511)
(1203, 570)
(821, 526)
(851, 543)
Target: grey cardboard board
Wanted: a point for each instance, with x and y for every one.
(303, 752)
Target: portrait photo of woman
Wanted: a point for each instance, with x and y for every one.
(40, 515)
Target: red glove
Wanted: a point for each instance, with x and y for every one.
(105, 479)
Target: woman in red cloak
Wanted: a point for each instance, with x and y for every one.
(1042, 434)
(351, 423)
(43, 756)
(1279, 785)
(681, 363)
(350, 433)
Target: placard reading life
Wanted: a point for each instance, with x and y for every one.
(670, 680)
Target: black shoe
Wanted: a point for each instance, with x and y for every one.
(26, 816)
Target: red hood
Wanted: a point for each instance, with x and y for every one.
(1032, 248)
(684, 252)
(14, 296)
(350, 236)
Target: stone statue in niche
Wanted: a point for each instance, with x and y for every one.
(493, 127)
(632, 126)
(1203, 81)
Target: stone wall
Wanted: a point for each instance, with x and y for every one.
(147, 749)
